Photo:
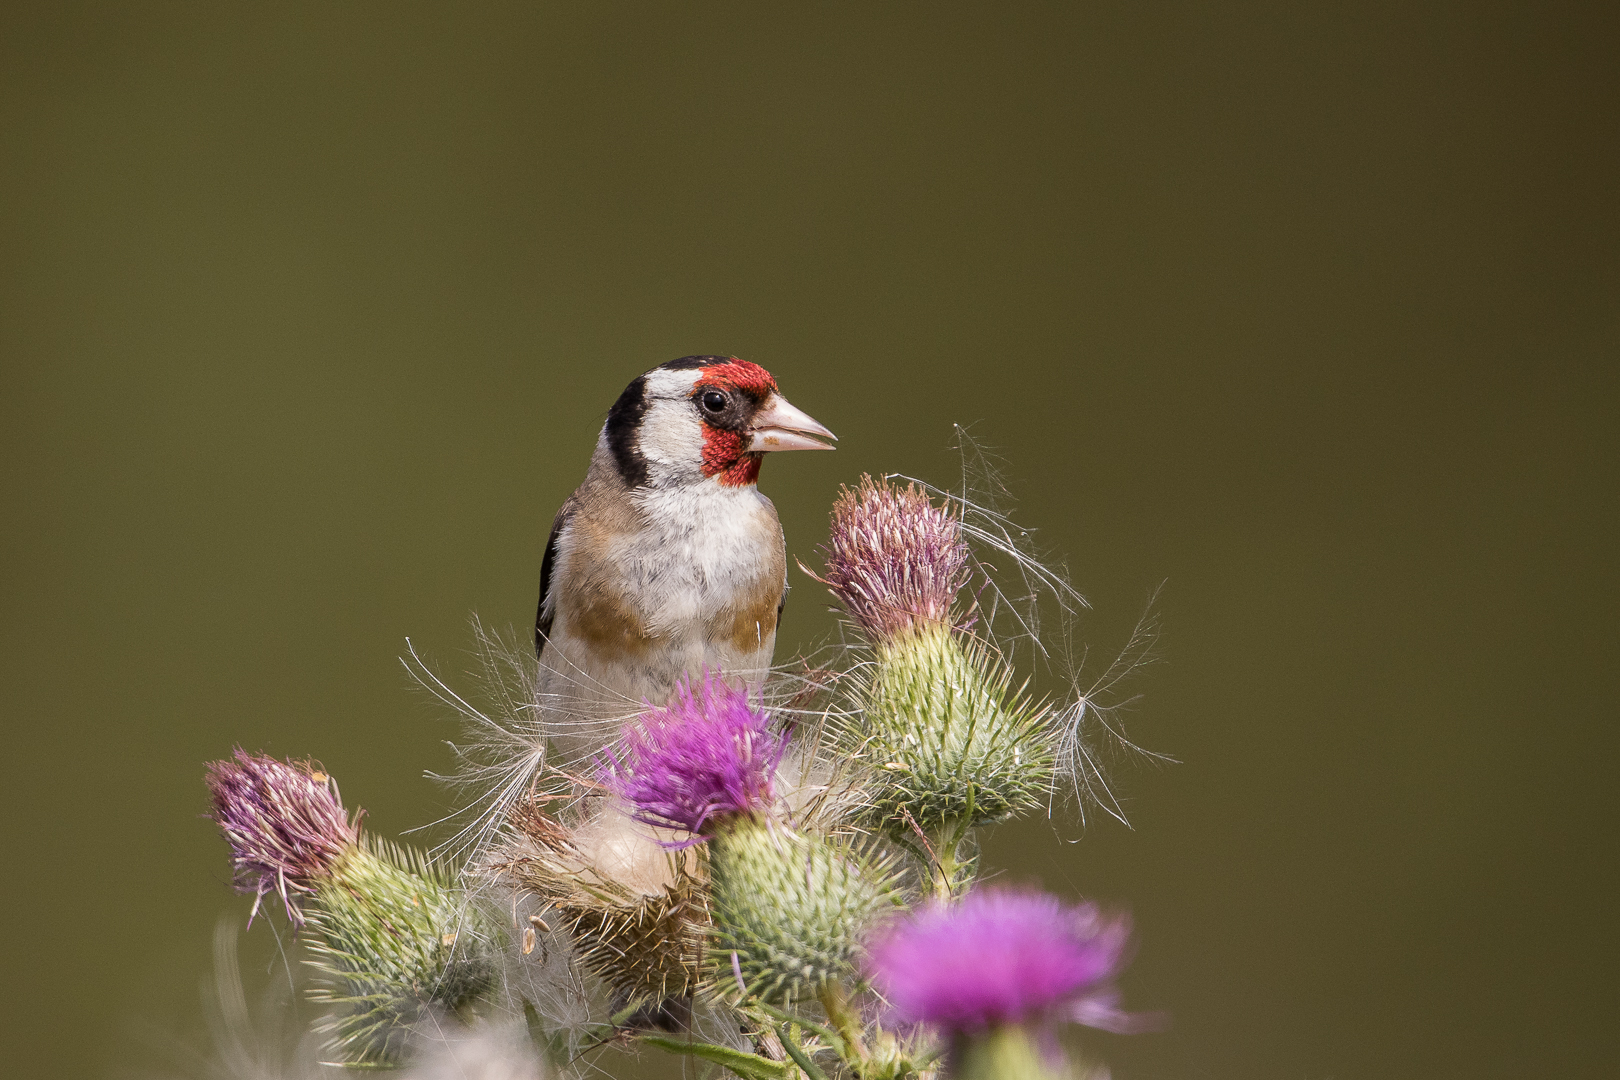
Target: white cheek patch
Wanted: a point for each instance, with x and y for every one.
(671, 439)
(671, 435)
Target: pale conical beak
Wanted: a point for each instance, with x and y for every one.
(779, 426)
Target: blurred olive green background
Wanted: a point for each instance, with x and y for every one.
(309, 314)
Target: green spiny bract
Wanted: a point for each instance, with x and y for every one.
(395, 939)
(788, 910)
(947, 736)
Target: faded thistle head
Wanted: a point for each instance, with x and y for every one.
(706, 756)
(894, 560)
(1001, 957)
(285, 825)
(638, 921)
(390, 927)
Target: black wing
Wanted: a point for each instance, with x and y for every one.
(542, 617)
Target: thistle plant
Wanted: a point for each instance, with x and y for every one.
(788, 906)
(947, 741)
(393, 936)
(719, 882)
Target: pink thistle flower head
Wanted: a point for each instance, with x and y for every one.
(284, 822)
(705, 756)
(894, 560)
(1002, 957)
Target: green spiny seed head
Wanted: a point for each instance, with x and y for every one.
(395, 938)
(948, 736)
(788, 910)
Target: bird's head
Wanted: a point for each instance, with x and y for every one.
(704, 418)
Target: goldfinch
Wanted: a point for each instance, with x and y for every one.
(667, 560)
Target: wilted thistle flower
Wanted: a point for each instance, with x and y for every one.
(394, 936)
(951, 741)
(638, 923)
(894, 560)
(706, 755)
(995, 970)
(690, 765)
(285, 825)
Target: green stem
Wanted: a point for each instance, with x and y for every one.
(789, 1034)
(947, 871)
(752, 1066)
(1004, 1053)
(847, 1024)
(834, 1039)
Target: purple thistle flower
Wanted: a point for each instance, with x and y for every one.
(894, 559)
(706, 755)
(1003, 957)
(285, 825)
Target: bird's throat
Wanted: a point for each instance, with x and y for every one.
(725, 457)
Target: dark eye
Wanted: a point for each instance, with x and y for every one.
(714, 401)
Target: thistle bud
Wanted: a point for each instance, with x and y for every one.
(392, 933)
(954, 740)
(788, 910)
(996, 971)
(397, 941)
